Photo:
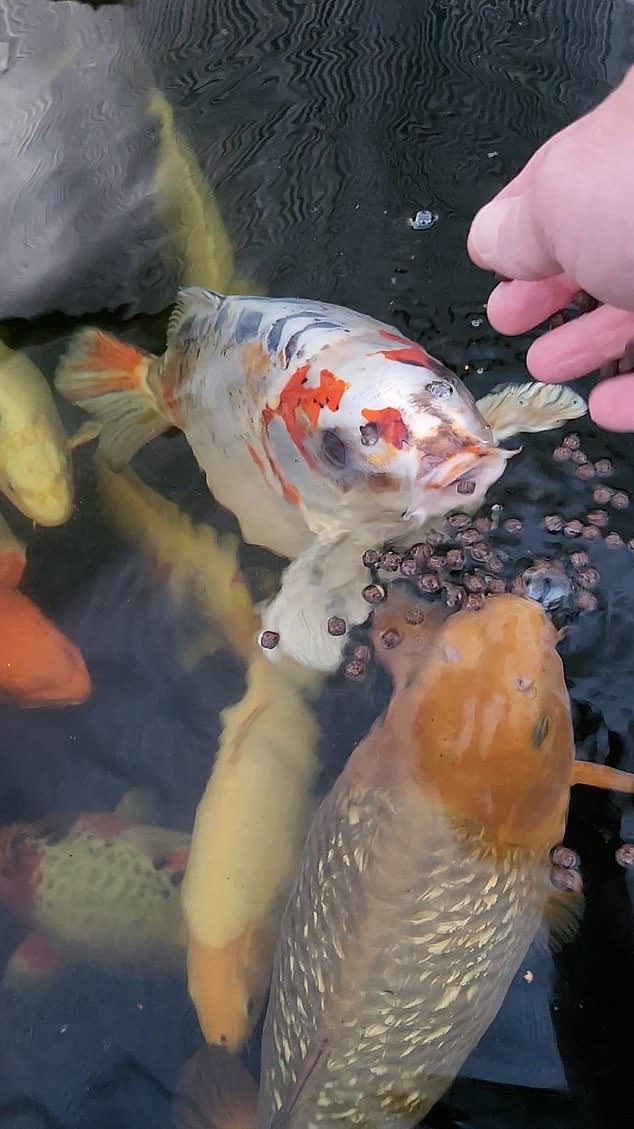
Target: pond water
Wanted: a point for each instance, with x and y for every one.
(323, 129)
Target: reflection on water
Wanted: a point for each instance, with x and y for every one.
(283, 149)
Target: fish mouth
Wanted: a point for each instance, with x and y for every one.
(477, 465)
(461, 467)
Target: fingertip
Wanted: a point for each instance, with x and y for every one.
(611, 403)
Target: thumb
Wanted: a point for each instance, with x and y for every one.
(507, 237)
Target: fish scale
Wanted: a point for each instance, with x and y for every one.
(410, 979)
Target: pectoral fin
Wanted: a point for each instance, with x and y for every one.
(513, 408)
(33, 962)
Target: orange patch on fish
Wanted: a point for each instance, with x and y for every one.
(253, 455)
(123, 366)
(409, 353)
(300, 404)
(39, 666)
(390, 426)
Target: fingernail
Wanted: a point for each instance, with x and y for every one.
(485, 230)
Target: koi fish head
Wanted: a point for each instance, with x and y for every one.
(492, 728)
(35, 471)
(374, 432)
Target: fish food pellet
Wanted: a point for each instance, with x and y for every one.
(269, 640)
(495, 564)
(474, 583)
(572, 441)
(613, 540)
(482, 524)
(512, 525)
(588, 578)
(455, 560)
(437, 562)
(602, 495)
(390, 638)
(630, 544)
(495, 585)
(409, 567)
(474, 601)
(562, 454)
(455, 522)
(371, 558)
(573, 528)
(585, 471)
(565, 856)
(553, 523)
(362, 652)
(624, 855)
(579, 457)
(579, 559)
(453, 594)
(374, 593)
(467, 536)
(421, 552)
(603, 467)
(590, 533)
(390, 562)
(466, 486)
(435, 538)
(355, 670)
(415, 616)
(336, 625)
(480, 552)
(598, 517)
(587, 602)
(619, 500)
(428, 582)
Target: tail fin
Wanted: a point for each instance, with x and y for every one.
(109, 379)
(215, 1091)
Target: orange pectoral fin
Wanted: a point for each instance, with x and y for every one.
(602, 776)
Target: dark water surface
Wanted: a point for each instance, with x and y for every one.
(323, 128)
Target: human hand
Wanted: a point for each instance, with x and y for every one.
(565, 224)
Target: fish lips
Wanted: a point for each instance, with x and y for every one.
(473, 463)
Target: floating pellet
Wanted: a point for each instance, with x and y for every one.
(371, 558)
(437, 562)
(466, 486)
(562, 454)
(590, 533)
(362, 652)
(598, 517)
(409, 567)
(454, 595)
(624, 855)
(390, 638)
(587, 602)
(573, 528)
(474, 583)
(630, 544)
(428, 582)
(620, 500)
(579, 458)
(435, 538)
(480, 552)
(455, 560)
(455, 522)
(495, 564)
(495, 585)
(474, 601)
(467, 536)
(603, 467)
(579, 559)
(482, 524)
(565, 856)
(587, 578)
(512, 525)
(553, 523)
(355, 670)
(415, 615)
(336, 625)
(586, 471)
(374, 593)
(269, 640)
(572, 441)
(390, 562)
(421, 552)
(613, 540)
(602, 495)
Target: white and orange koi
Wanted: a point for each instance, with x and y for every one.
(322, 429)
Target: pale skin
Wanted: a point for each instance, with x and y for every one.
(565, 224)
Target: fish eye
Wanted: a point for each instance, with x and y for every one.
(333, 448)
(541, 730)
(439, 388)
(369, 434)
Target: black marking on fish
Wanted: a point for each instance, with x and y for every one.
(247, 325)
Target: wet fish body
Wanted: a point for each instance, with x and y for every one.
(322, 429)
(98, 888)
